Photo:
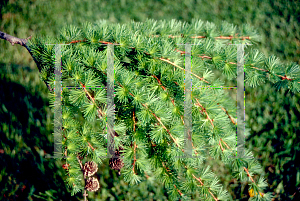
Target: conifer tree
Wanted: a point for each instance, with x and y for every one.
(149, 84)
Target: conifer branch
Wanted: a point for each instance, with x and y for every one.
(77, 41)
(104, 42)
(207, 57)
(198, 179)
(134, 121)
(80, 163)
(141, 43)
(84, 177)
(222, 139)
(225, 143)
(178, 190)
(100, 113)
(246, 170)
(166, 60)
(162, 86)
(282, 77)
(218, 37)
(203, 109)
(221, 145)
(168, 170)
(172, 139)
(147, 176)
(66, 166)
(248, 174)
(14, 40)
(227, 114)
(202, 184)
(172, 100)
(134, 159)
(134, 149)
(23, 42)
(203, 57)
(212, 124)
(91, 146)
(157, 118)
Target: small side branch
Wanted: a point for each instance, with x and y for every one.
(203, 109)
(14, 40)
(135, 146)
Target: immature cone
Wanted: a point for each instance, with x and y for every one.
(116, 162)
(90, 168)
(92, 184)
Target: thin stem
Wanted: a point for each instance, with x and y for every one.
(218, 37)
(246, 170)
(100, 113)
(202, 79)
(203, 109)
(134, 149)
(227, 114)
(85, 195)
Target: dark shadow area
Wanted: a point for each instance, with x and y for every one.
(24, 142)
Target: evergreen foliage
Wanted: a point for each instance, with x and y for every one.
(149, 86)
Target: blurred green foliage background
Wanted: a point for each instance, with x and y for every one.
(26, 122)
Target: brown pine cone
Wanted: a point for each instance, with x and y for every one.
(116, 162)
(92, 184)
(90, 168)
